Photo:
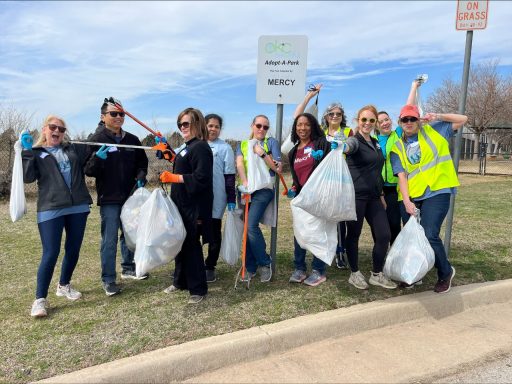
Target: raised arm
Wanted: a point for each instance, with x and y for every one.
(457, 120)
(411, 99)
(309, 95)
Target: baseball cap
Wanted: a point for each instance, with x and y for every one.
(410, 110)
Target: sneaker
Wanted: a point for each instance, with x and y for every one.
(341, 261)
(443, 286)
(196, 299)
(132, 275)
(357, 280)
(68, 292)
(210, 276)
(39, 308)
(410, 286)
(111, 289)
(315, 279)
(381, 280)
(265, 273)
(297, 276)
(171, 289)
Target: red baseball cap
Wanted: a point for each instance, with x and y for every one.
(410, 110)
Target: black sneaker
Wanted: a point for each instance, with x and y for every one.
(210, 276)
(132, 275)
(341, 261)
(111, 289)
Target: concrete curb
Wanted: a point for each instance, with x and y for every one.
(177, 363)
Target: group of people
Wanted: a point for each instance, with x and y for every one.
(394, 172)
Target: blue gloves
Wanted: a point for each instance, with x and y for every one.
(291, 193)
(317, 155)
(26, 140)
(102, 152)
(141, 183)
(159, 140)
(334, 145)
(231, 206)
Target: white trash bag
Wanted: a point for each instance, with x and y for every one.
(130, 216)
(318, 236)
(232, 237)
(160, 235)
(17, 202)
(329, 191)
(410, 256)
(287, 145)
(258, 175)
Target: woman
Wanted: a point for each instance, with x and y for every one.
(427, 178)
(365, 165)
(268, 149)
(192, 193)
(62, 204)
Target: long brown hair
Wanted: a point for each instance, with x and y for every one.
(197, 123)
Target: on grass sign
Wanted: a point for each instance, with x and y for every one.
(471, 15)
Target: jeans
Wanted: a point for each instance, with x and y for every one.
(392, 211)
(51, 235)
(110, 227)
(256, 254)
(299, 259)
(214, 245)
(433, 212)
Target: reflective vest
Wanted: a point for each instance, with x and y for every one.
(435, 169)
(387, 170)
(346, 131)
(244, 146)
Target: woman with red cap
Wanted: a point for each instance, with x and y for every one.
(426, 177)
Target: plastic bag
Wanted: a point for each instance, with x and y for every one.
(130, 216)
(410, 256)
(232, 237)
(160, 235)
(318, 236)
(258, 175)
(329, 191)
(287, 145)
(17, 202)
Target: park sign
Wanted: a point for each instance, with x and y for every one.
(282, 63)
(471, 15)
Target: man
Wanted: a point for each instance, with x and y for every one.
(117, 171)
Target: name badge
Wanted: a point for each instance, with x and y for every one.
(112, 149)
(183, 153)
(307, 150)
(43, 155)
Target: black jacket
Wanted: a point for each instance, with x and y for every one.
(365, 165)
(194, 197)
(319, 143)
(40, 165)
(117, 174)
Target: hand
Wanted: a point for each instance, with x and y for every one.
(257, 149)
(231, 207)
(317, 155)
(141, 183)
(410, 208)
(334, 145)
(160, 139)
(430, 117)
(291, 193)
(102, 152)
(26, 140)
(168, 177)
(243, 188)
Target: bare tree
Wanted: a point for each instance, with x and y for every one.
(14, 121)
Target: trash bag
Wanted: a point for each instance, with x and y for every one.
(160, 235)
(232, 237)
(317, 235)
(130, 216)
(17, 202)
(410, 256)
(258, 175)
(329, 191)
(287, 145)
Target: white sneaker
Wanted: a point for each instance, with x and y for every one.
(68, 292)
(357, 280)
(39, 308)
(381, 280)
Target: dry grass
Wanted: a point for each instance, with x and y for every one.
(98, 329)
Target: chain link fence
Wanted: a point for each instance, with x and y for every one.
(485, 157)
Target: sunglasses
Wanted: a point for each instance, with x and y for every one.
(371, 121)
(259, 126)
(185, 125)
(335, 114)
(411, 119)
(53, 127)
(115, 114)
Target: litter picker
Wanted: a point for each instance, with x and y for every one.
(242, 272)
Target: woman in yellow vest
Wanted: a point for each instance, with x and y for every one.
(426, 177)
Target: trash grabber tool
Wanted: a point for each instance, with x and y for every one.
(243, 271)
(284, 184)
(110, 144)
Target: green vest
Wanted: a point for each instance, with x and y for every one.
(387, 170)
(346, 131)
(244, 147)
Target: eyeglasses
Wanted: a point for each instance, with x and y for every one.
(411, 119)
(115, 114)
(371, 121)
(259, 126)
(335, 114)
(185, 125)
(53, 127)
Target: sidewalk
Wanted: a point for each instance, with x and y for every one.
(407, 338)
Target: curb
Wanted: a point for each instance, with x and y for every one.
(179, 362)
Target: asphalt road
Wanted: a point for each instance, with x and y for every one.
(499, 370)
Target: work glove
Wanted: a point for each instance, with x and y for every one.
(231, 207)
(168, 177)
(141, 183)
(102, 152)
(160, 139)
(26, 140)
(317, 155)
(291, 193)
(334, 145)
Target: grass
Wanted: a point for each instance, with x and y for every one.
(99, 329)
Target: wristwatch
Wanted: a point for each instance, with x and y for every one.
(263, 155)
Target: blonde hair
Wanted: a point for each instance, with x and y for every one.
(41, 141)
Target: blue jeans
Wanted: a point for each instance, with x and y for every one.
(110, 227)
(299, 259)
(256, 254)
(433, 212)
(51, 235)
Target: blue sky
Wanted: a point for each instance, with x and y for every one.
(161, 57)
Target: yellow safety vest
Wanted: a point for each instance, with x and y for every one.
(244, 147)
(387, 170)
(435, 169)
(346, 131)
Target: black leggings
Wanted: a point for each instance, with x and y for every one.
(374, 213)
(214, 245)
(392, 211)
